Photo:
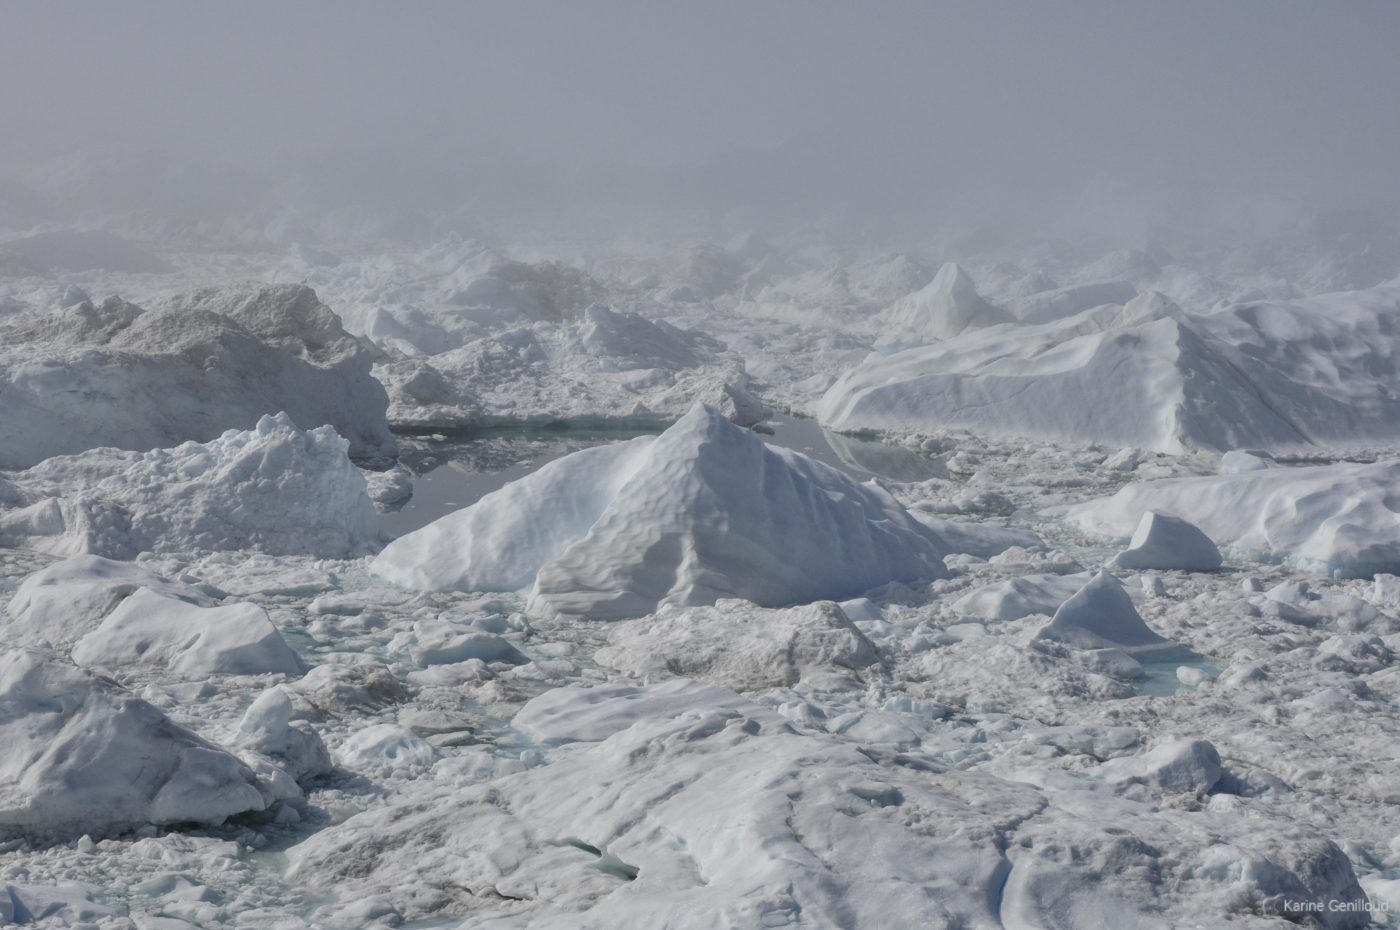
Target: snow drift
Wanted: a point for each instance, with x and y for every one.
(118, 375)
(1262, 374)
(702, 512)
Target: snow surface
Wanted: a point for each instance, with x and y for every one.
(702, 512)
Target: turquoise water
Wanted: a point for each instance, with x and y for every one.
(1160, 679)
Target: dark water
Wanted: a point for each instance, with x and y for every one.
(453, 470)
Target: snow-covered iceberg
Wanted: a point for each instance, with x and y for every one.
(274, 488)
(1100, 615)
(82, 755)
(1166, 542)
(702, 512)
(115, 374)
(947, 306)
(1260, 374)
(722, 813)
(1329, 518)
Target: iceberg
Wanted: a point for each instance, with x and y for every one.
(1168, 543)
(84, 756)
(275, 488)
(705, 511)
(1334, 519)
(1270, 374)
(118, 375)
(947, 306)
(152, 631)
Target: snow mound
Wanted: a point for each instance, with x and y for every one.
(947, 306)
(82, 755)
(1168, 543)
(1101, 615)
(117, 375)
(66, 600)
(150, 630)
(738, 645)
(1270, 375)
(702, 512)
(275, 488)
(1335, 519)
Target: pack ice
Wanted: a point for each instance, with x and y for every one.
(610, 365)
(704, 809)
(702, 512)
(118, 375)
(1260, 374)
(1004, 685)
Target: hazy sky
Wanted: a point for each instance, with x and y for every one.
(797, 108)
